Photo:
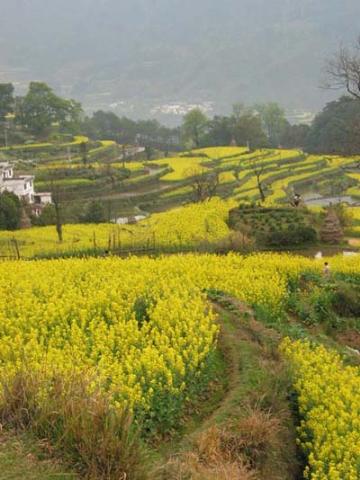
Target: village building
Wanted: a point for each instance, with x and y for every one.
(23, 187)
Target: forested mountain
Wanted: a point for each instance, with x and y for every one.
(139, 55)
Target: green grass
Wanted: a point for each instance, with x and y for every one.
(34, 146)
(20, 458)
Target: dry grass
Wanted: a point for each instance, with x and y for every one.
(236, 450)
(100, 442)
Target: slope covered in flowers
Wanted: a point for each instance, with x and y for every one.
(329, 403)
(183, 226)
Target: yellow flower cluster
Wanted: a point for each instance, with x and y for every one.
(220, 152)
(183, 226)
(136, 328)
(329, 403)
(32, 146)
(140, 328)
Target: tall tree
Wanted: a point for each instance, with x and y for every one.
(83, 152)
(194, 127)
(58, 198)
(10, 211)
(220, 131)
(336, 130)
(273, 120)
(257, 166)
(203, 182)
(248, 128)
(95, 212)
(40, 108)
(6, 99)
(295, 136)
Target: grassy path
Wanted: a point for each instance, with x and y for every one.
(250, 432)
(21, 459)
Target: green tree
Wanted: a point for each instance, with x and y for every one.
(336, 130)
(95, 213)
(6, 99)
(295, 136)
(47, 217)
(149, 152)
(194, 127)
(40, 108)
(10, 211)
(273, 120)
(248, 128)
(220, 131)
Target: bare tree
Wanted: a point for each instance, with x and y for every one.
(343, 70)
(204, 183)
(258, 167)
(84, 152)
(57, 198)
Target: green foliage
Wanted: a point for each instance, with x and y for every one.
(318, 301)
(6, 99)
(297, 235)
(274, 227)
(220, 131)
(141, 309)
(126, 131)
(346, 300)
(95, 213)
(336, 128)
(273, 120)
(294, 136)
(194, 127)
(248, 127)
(312, 303)
(47, 217)
(10, 211)
(41, 108)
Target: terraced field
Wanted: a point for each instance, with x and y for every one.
(163, 184)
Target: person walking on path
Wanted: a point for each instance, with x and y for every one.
(326, 270)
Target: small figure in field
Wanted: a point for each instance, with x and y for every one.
(326, 270)
(296, 202)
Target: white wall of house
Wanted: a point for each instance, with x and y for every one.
(6, 171)
(44, 198)
(22, 187)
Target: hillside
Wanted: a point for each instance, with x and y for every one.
(140, 56)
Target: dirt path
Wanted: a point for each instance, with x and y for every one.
(252, 422)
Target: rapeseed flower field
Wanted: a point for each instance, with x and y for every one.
(329, 403)
(184, 226)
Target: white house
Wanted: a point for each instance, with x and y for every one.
(22, 186)
(6, 171)
(43, 198)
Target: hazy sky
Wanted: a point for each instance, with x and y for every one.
(151, 52)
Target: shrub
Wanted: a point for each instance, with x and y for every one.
(10, 211)
(291, 236)
(346, 300)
